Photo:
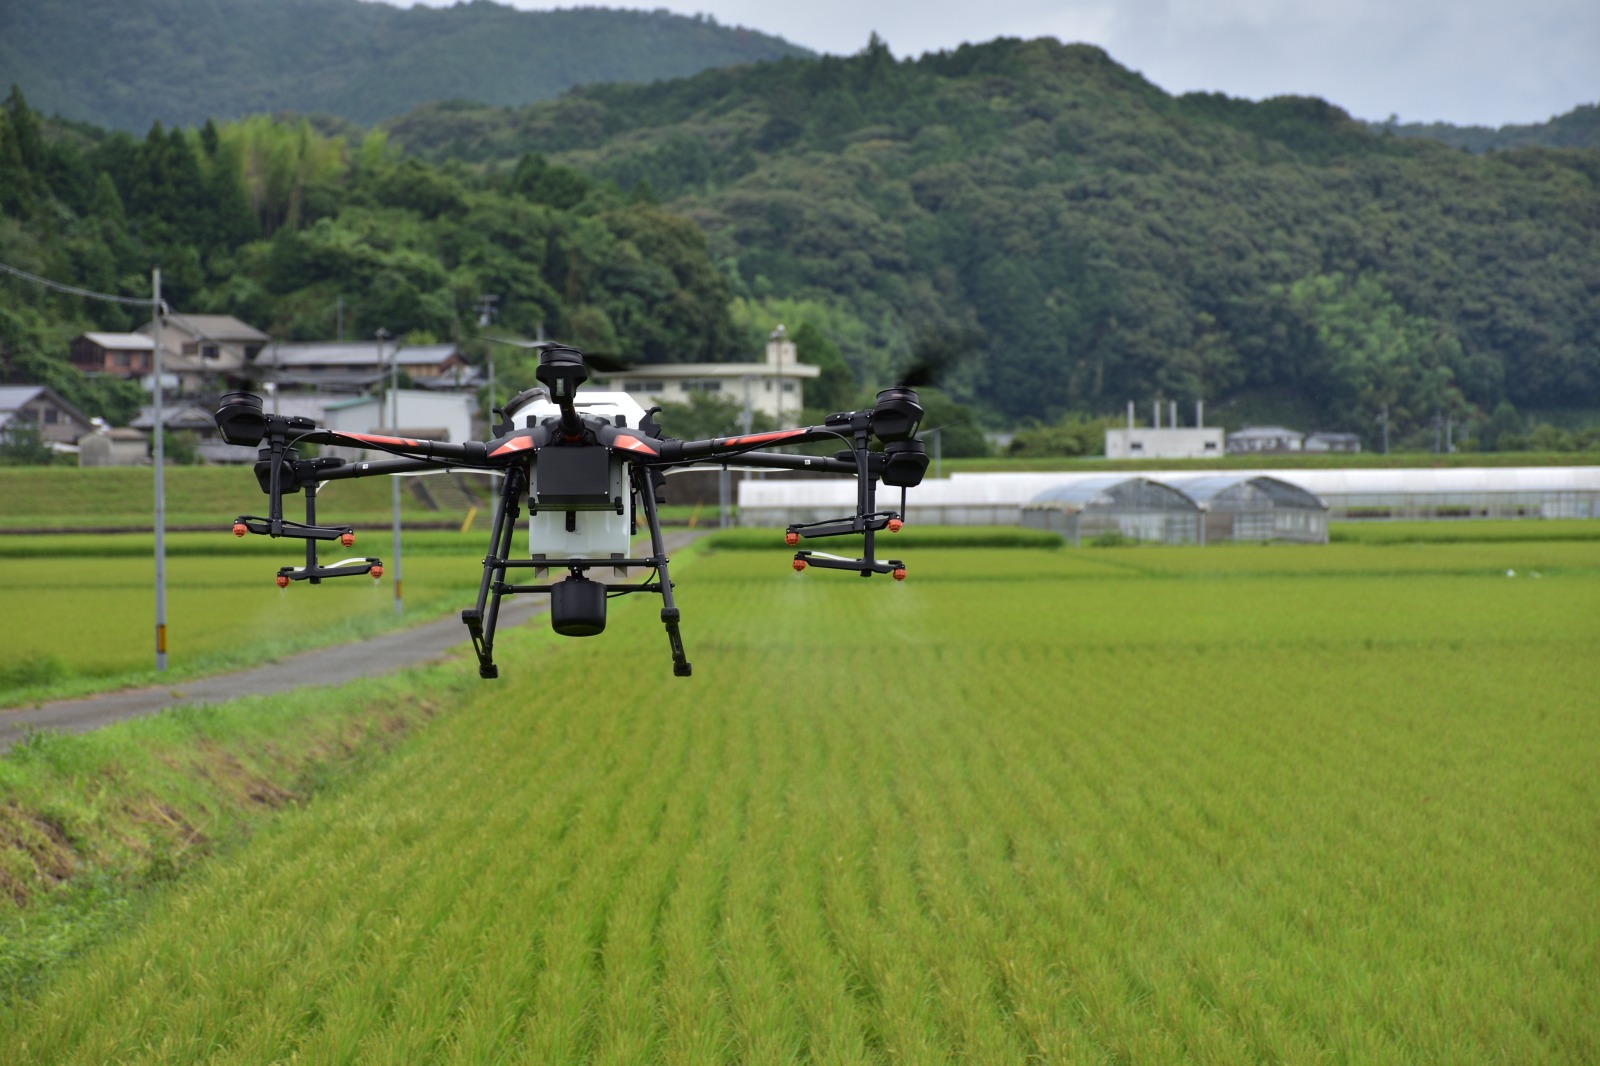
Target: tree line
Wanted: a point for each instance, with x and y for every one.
(294, 230)
(1106, 240)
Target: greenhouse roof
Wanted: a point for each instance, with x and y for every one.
(1212, 489)
(1110, 490)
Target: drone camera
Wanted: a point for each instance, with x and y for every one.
(240, 419)
(578, 607)
(896, 415)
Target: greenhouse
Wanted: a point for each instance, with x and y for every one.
(1135, 508)
(1246, 507)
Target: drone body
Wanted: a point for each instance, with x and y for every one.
(589, 467)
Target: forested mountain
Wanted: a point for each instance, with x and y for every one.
(128, 63)
(275, 223)
(1100, 240)
(1076, 235)
(1578, 128)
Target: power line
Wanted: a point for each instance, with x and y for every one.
(73, 290)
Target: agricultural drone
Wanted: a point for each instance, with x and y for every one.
(588, 465)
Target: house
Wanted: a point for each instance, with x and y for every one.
(1264, 439)
(123, 355)
(201, 351)
(60, 424)
(355, 366)
(773, 388)
(1333, 442)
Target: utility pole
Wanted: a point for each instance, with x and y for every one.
(160, 454)
(394, 479)
(485, 318)
(1384, 418)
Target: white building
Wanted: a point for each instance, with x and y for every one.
(1171, 442)
(773, 388)
(422, 414)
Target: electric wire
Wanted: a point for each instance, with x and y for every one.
(73, 290)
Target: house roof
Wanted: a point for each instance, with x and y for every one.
(12, 397)
(123, 341)
(352, 353)
(15, 397)
(213, 327)
(1265, 433)
(690, 371)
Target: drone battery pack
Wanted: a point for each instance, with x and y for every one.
(573, 479)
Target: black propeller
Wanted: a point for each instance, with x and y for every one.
(605, 362)
(935, 355)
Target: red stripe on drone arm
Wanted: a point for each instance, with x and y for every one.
(634, 444)
(375, 438)
(762, 438)
(515, 444)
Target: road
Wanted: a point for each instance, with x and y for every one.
(335, 665)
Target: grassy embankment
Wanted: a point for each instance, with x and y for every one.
(1122, 804)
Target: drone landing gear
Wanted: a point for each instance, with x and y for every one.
(865, 567)
(313, 571)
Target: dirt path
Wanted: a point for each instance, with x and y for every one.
(335, 665)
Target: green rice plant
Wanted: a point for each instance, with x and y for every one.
(1028, 805)
(1477, 530)
(77, 624)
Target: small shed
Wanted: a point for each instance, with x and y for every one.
(1132, 507)
(113, 447)
(1255, 507)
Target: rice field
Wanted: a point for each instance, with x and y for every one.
(1124, 805)
(79, 611)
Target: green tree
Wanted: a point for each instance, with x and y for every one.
(706, 415)
(835, 388)
(22, 444)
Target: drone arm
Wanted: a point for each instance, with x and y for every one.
(818, 464)
(678, 451)
(470, 453)
(382, 466)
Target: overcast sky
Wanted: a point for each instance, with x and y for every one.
(1470, 62)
